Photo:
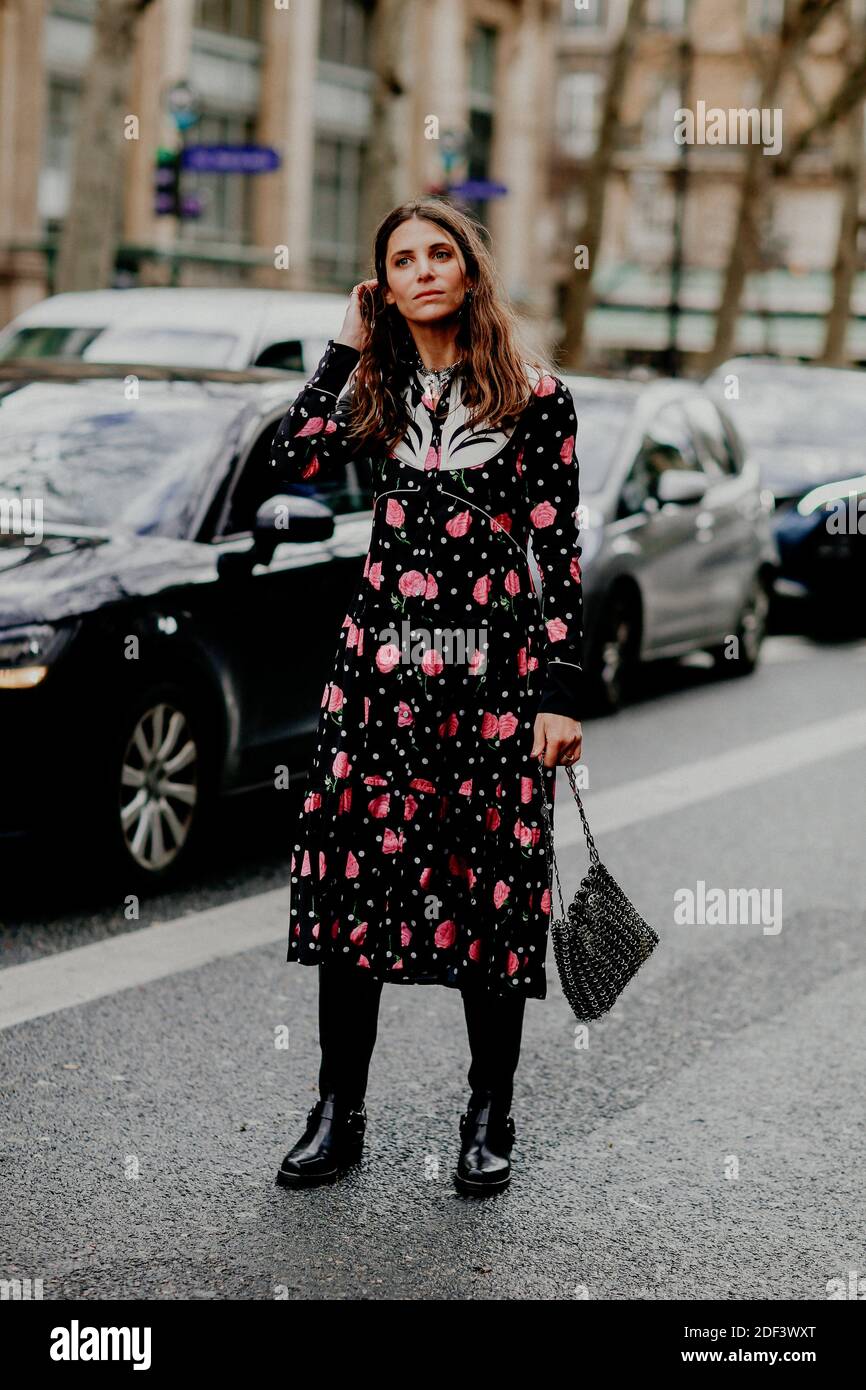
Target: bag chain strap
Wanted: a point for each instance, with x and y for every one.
(590, 842)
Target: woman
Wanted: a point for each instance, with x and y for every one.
(421, 855)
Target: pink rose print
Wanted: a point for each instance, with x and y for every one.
(545, 902)
(432, 589)
(387, 657)
(420, 784)
(313, 802)
(335, 700)
(432, 460)
(412, 584)
(311, 427)
(566, 453)
(449, 728)
(357, 934)
(512, 583)
(445, 934)
(523, 833)
(543, 515)
(352, 866)
(493, 818)
(311, 468)
(489, 725)
(374, 780)
(574, 569)
(405, 717)
(405, 934)
(315, 930)
(432, 663)
(556, 629)
(481, 591)
(322, 865)
(475, 949)
(398, 965)
(502, 522)
(341, 765)
(362, 960)
(545, 387)
(306, 867)
(465, 788)
(518, 464)
(410, 806)
(345, 802)
(477, 661)
(424, 877)
(527, 790)
(394, 513)
(507, 725)
(375, 575)
(378, 807)
(459, 524)
(501, 893)
(392, 844)
(511, 963)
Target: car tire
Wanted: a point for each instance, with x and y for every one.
(750, 633)
(614, 656)
(155, 794)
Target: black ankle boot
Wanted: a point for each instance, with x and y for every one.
(333, 1140)
(487, 1134)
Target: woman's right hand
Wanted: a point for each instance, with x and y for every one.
(355, 330)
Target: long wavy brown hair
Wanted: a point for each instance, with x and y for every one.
(491, 359)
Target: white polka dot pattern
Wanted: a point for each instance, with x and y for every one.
(420, 852)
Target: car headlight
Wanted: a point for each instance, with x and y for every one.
(26, 653)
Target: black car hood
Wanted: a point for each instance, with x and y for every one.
(71, 572)
(791, 472)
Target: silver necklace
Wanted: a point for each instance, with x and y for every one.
(435, 381)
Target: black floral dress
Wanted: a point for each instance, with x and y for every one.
(420, 851)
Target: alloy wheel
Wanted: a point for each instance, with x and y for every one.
(159, 787)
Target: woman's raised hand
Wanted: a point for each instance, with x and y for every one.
(354, 331)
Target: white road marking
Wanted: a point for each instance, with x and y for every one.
(102, 968)
(705, 778)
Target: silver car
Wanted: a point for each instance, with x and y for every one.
(678, 553)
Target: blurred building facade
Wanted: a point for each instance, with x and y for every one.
(298, 78)
(690, 51)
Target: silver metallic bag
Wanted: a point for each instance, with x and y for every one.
(601, 941)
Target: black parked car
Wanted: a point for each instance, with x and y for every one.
(158, 642)
(806, 427)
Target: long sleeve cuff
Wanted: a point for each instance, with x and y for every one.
(338, 362)
(563, 690)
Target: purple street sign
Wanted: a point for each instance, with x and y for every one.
(231, 159)
(478, 189)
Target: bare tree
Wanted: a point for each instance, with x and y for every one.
(91, 228)
(847, 255)
(800, 20)
(578, 294)
(385, 181)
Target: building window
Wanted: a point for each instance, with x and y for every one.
(665, 14)
(585, 14)
(577, 112)
(226, 199)
(64, 101)
(336, 209)
(660, 122)
(764, 16)
(344, 33)
(239, 18)
(482, 101)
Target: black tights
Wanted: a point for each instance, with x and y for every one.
(349, 1021)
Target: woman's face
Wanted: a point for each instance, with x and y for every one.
(426, 272)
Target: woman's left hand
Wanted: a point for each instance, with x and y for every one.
(559, 738)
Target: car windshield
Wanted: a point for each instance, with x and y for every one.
(807, 409)
(171, 347)
(94, 458)
(601, 421)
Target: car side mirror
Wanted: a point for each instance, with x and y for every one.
(289, 517)
(682, 487)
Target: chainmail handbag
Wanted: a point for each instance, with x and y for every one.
(602, 941)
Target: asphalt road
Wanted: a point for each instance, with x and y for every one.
(706, 1142)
